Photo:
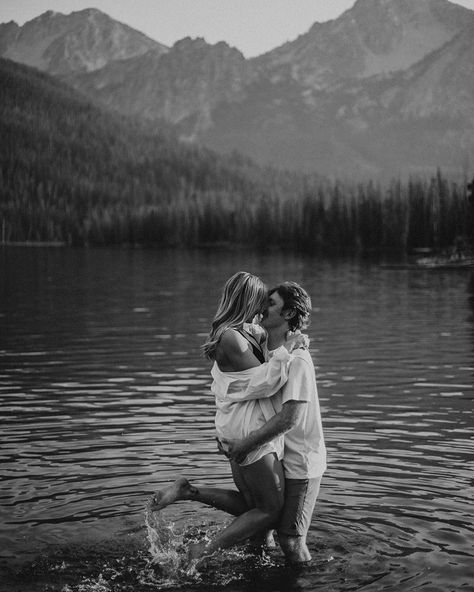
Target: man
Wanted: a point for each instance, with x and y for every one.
(298, 417)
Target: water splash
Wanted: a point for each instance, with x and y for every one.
(90, 585)
(168, 547)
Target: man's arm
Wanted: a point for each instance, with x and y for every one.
(290, 414)
(270, 376)
(239, 355)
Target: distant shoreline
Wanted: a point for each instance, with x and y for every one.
(33, 244)
(228, 245)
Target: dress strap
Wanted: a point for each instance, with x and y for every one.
(256, 347)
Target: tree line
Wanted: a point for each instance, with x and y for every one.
(333, 218)
(73, 173)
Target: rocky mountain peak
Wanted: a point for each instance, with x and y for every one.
(403, 13)
(188, 45)
(80, 42)
(90, 12)
(47, 15)
(8, 33)
(373, 37)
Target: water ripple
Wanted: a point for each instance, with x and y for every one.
(102, 406)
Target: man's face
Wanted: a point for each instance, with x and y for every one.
(273, 315)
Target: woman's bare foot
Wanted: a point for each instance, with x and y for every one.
(197, 551)
(181, 489)
(270, 539)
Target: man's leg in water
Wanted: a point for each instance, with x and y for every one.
(265, 480)
(300, 499)
(295, 549)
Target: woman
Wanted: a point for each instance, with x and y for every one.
(242, 385)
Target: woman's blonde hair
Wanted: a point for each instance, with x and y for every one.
(243, 296)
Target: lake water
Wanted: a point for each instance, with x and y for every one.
(105, 398)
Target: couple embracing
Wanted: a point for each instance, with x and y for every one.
(268, 419)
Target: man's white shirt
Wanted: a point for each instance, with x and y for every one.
(304, 454)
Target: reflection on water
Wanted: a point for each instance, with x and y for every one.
(105, 397)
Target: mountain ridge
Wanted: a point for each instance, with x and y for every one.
(74, 173)
(373, 37)
(85, 40)
(321, 102)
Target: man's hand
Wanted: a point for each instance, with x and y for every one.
(256, 331)
(296, 340)
(235, 450)
(220, 447)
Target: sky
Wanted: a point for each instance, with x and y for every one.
(252, 26)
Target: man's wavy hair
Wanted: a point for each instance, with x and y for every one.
(296, 300)
(244, 296)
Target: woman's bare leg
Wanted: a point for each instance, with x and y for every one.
(265, 481)
(227, 500)
(239, 480)
(261, 539)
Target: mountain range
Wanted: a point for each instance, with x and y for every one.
(385, 89)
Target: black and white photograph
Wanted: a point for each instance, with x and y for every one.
(236, 295)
